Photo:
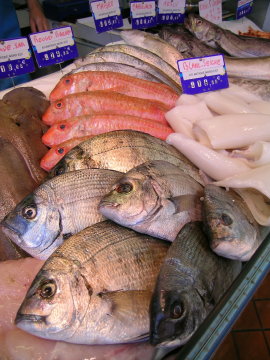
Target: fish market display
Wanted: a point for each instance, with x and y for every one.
(250, 68)
(17, 344)
(20, 151)
(98, 124)
(156, 198)
(91, 102)
(95, 288)
(153, 43)
(106, 56)
(190, 283)
(105, 80)
(123, 150)
(232, 230)
(57, 209)
(143, 54)
(216, 37)
(56, 153)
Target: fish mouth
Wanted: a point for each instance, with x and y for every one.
(11, 233)
(29, 318)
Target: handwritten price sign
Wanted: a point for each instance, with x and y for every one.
(171, 11)
(143, 14)
(203, 74)
(211, 10)
(107, 15)
(15, 58)
(54, 46)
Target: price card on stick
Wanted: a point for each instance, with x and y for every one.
(15, 57)
(244, 7)
(211, 10)
(143, 14)
(171, 11)
(203, 74)
(106, 14)
(54, 46)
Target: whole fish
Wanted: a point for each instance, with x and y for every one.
(117, 67)
(140, 53)
(105, 101)
(122, 150)
(232, 229)
(107, 80)
(57, 209)
(98, 124)
(56, 153)
(156, 198)
(190, 283)
(186, 43)
(216, 37)
(154, 44)
(95, 288)
(123, 58)
(248, 68)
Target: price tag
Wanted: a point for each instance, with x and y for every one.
(211, 10)
(244, 7)
(143, 14)
(203, 74)
(171, 11)
(54, 46)
(15, 57)
(107, 15)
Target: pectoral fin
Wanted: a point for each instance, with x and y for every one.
(185, 202)
(129, 306)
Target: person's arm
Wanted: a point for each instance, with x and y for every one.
(38, 21)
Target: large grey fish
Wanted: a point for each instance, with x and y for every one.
(95, 288)
(57, 209)
(143, 54)
(216, 37)
(122, 150)
(117, 67)
(186, 43)
(232, 229)
(154, 44)
(156, 198)
(123, 58)
(190, 283)
(248, 68)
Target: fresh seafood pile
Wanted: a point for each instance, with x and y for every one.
(141, 238)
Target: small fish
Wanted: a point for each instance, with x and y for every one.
(134, 63)
(140, 53)
(154, 44)
(56, 153)
(98, 124)
(119, 68)
(156, 198)
(191, 281)
(121, 83)
(105, 101)
(186, 43)
(122, 150)
(232, 229)
(57, 209)
(95, 288)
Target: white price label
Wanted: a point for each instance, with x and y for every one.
(171, 6)
(141, 9)
(105, 8)
(211, 10)
(52, 39)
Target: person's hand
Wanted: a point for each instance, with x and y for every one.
(38, 21)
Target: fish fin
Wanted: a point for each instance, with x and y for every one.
(127, 305)
(185, 202)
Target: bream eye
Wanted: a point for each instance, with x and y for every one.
(29, 212)
(176, 311)
(47, 289)
(124, 188)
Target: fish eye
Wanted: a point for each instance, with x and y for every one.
(60, 150)
(47, 289)
(58, 105)
(226, 219)
(59, 170)
(62, 127)
(199, 22)
(29, 212)
(67, 81)
(124, 188)
(176, 310)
